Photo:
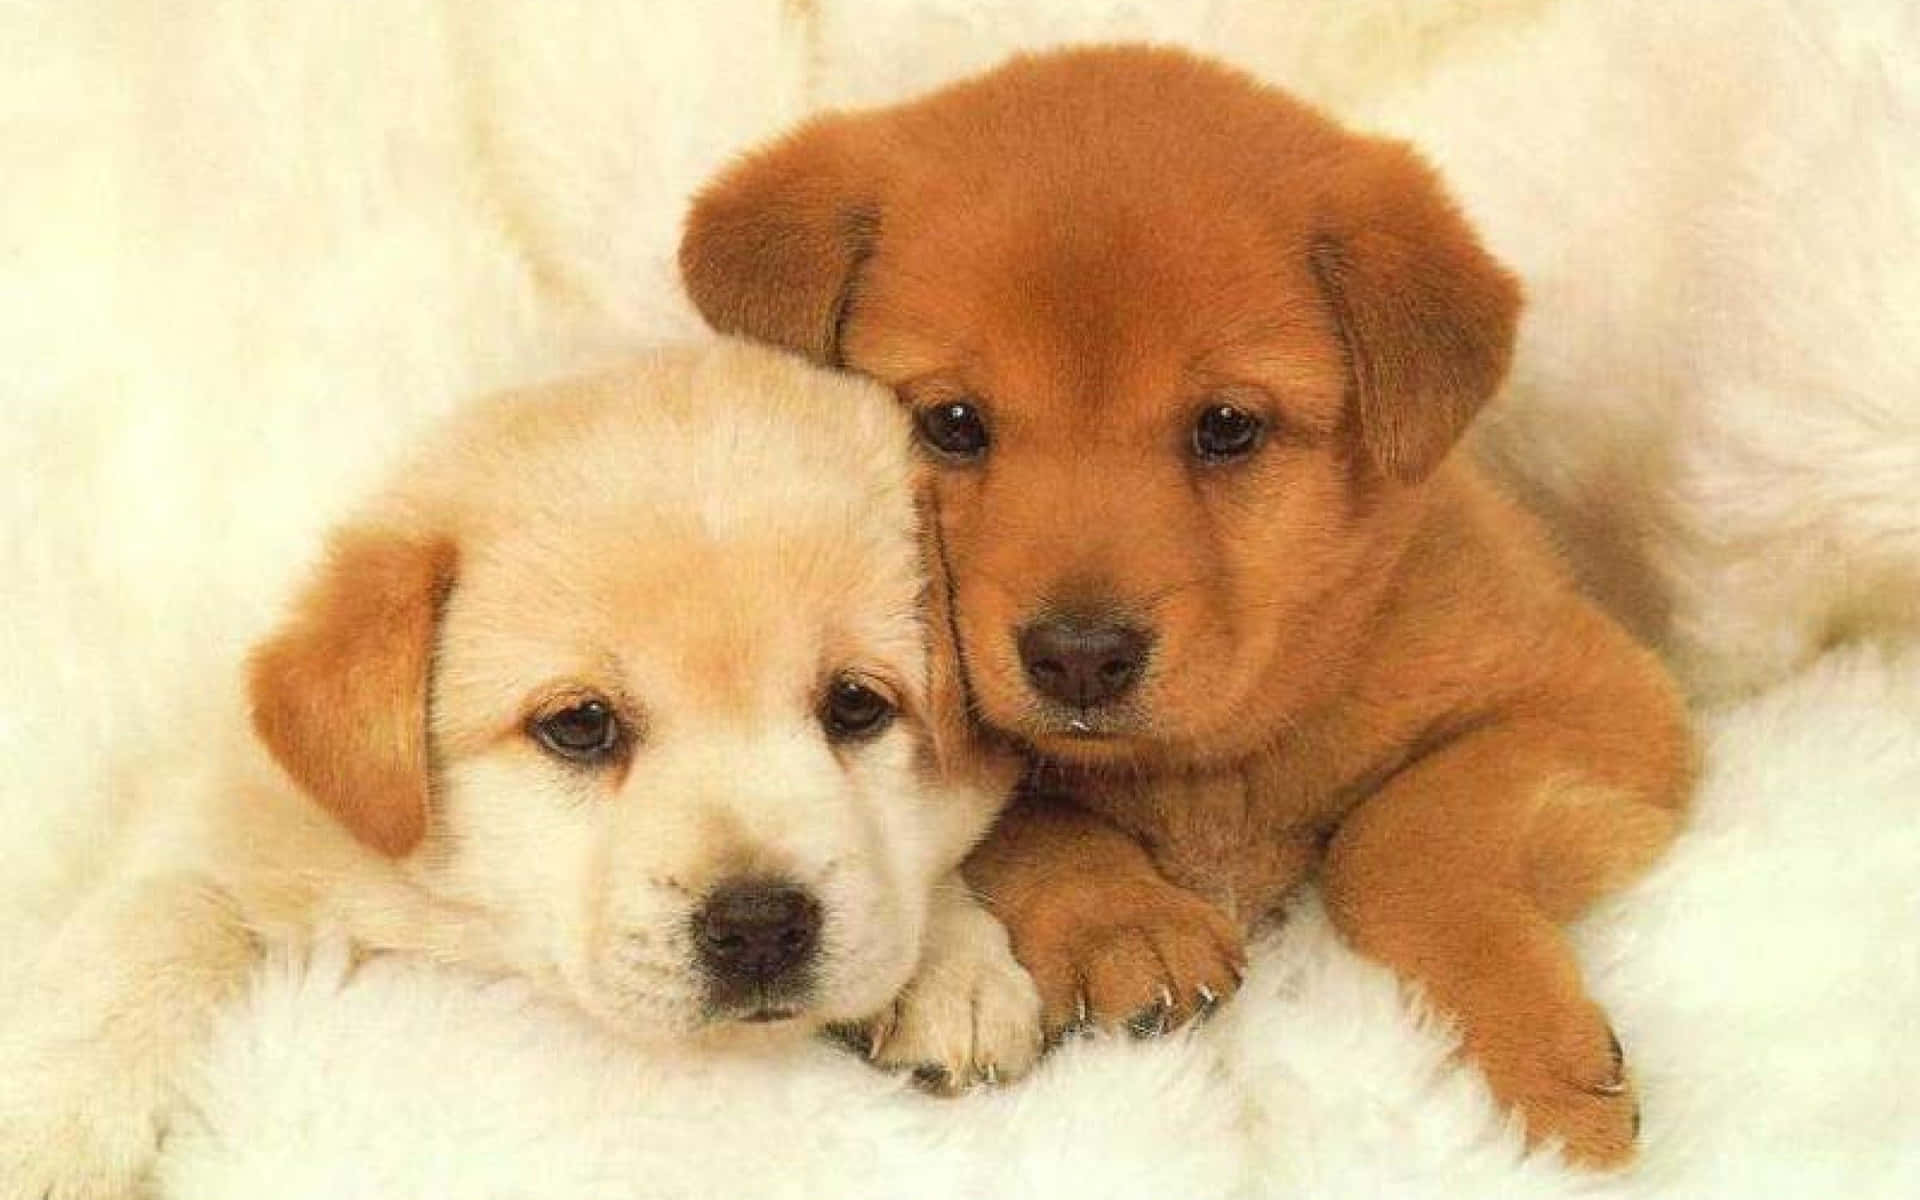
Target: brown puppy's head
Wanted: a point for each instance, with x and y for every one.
(1181, 352)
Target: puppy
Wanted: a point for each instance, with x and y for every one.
(622, 687)
(1189, 360)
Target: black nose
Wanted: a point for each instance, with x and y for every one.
(756, 931)
(1082, 663)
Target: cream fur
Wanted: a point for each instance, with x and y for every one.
(248, 250)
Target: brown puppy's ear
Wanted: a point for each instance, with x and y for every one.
(340, 692)
(772, 248)
(1426, 314)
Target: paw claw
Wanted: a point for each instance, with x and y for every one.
(1154, 1020)
(931, 1077)
(882, 1030)
(1618, 1084)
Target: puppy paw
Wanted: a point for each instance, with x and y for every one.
(1590, 1106)
(1574, 1090)
(1143, 955)
(970, 1014)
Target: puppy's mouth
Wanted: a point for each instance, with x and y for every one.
(1085, 727)
(1083, 733)
(767, 1010)
(769, 1015)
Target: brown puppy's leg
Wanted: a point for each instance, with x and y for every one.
(1458, 874)
(1106, 938)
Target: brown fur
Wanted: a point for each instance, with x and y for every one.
(1364, 658)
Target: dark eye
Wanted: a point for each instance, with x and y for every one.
(853, 712)
(955, 429)
(1225, 432)
(587, 732)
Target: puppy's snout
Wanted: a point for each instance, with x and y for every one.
(1085, 663)
(757, 931)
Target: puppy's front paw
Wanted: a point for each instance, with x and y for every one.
(1574, 1088)
(1140, 954)
(970, 1014)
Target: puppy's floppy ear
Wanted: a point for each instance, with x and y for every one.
(1426, 314)
(340, 692)
(773, 247)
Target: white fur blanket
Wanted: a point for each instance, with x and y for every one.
(248, 247)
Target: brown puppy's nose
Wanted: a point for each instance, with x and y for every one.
(756, 931)
(1080, 662)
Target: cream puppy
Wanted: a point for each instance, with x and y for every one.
(623, 687)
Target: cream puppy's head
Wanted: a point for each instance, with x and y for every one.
(630, 671)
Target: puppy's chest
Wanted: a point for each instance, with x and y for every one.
(1243, 838)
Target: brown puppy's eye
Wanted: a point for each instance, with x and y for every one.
(954, 429)
(586, 732)
(853, 712)
(1224, 432)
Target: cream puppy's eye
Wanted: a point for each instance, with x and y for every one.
(851, 711)
(586, 731)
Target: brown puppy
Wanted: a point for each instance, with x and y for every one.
(1190, 360)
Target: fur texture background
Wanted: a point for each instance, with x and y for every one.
(248, 248)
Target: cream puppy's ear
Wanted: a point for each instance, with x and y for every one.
(340, 692)
(772, 249)
(1426, 315)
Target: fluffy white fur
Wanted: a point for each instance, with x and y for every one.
(247, 248)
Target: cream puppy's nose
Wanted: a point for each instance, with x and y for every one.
(757, 931)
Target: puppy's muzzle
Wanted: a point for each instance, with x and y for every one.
(757, 938)
(1082, 663)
